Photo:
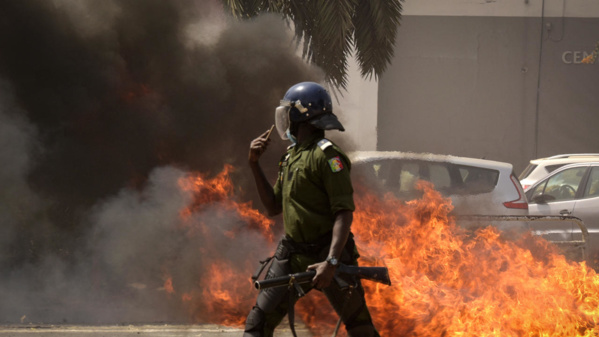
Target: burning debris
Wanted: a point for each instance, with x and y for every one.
(446, 281)
(453, 282)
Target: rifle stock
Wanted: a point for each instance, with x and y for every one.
(376, 274)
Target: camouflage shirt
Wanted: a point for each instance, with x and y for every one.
(313, 184)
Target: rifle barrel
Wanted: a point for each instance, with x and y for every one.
(300, 278)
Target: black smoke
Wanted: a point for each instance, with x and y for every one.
(98, 97)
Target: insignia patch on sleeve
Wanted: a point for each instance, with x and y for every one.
(324, 143)
(335, 164)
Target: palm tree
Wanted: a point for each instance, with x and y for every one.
(331, 29)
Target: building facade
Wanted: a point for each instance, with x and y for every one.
(507, 80)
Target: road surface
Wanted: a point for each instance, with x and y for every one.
(165, 330)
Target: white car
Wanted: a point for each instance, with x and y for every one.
(539, 168)
(571, 190)
(475, 186)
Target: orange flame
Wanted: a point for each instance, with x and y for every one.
(220, 190)
(168, 285)
(447, 281)
(222, 291)
(450, 282)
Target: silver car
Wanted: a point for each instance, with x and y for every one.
(475, 186)
(539, 168)
(571, 190)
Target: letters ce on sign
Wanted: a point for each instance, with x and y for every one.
(580, 57)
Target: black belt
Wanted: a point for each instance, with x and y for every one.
(308, 248)
(316, 247)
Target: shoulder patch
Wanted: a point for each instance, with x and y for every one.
(336, 164)
(324, 143)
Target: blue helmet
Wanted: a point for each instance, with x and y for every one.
(306, 102)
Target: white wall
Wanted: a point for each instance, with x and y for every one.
(358, 110)
(492, 79)
(529, 8)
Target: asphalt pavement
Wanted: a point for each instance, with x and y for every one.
(204, 330)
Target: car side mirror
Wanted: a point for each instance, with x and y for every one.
(543, 198)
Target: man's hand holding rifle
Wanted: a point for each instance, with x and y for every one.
(376, 274)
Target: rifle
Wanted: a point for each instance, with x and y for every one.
(376, 274)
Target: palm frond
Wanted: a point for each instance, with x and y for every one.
(328, 29)
(301, 13)
(251, 8)
(334, 39)
(376, 24)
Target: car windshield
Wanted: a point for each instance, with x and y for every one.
(478, 180)
(561, 186)
(400, 175)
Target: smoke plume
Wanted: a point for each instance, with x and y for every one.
(103, 105)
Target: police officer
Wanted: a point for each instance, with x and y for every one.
(314, 192)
